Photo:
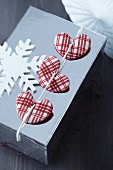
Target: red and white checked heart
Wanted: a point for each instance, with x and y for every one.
(60, 83)
(80, 48)
(41, 111)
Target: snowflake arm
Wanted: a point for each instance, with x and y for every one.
(28, 81)
(36, 62)
(5, 51)
(14, 66)
(24, 49)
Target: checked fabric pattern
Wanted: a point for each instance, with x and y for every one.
(41, 112)
(60, 83)
(80, 48)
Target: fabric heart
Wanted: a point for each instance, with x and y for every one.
(60, 83)
(42, 110)
(80, 48)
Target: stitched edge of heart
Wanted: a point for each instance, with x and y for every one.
(63, 78)
(22, 113)
(65, 88)
(71, 40)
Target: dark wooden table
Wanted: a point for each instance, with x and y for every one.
(88, 144)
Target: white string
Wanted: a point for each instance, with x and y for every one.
(63, 62)
(23, 123)
(28, 113)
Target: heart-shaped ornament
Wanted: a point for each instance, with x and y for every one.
(60, 83)
(80, 48)
(41, 112)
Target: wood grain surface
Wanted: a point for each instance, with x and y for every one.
(88, 144)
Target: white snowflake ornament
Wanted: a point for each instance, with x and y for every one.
(15, 65)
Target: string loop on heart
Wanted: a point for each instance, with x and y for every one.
(44, 92)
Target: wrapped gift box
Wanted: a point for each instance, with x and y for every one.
(39, 141)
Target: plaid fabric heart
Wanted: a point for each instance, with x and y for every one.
(80, 48)
(60, 83)
(41, 113)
